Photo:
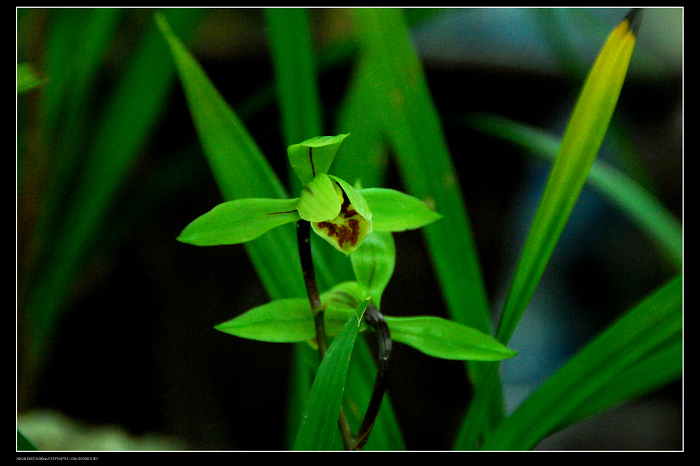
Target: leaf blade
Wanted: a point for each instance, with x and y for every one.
(318, 426)
(239, 221)
(578, 150)
(446, 339)
(638, 335)
(396, 211)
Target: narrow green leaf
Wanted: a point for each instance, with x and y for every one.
(319, 423)
(654, 371)
(445, 339)
(373, 264)
(239, 167)
(320, 200)
(630, 197)
(405, 109)
(395, 211)
(314, 156)
(656, 323)
(579, 147)
(239, 221)
(123, 126)
(290, 38)
(578, 150)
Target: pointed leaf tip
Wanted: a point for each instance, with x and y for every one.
(634, 19)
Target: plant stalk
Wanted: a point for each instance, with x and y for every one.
(375, 319)
(307, 268)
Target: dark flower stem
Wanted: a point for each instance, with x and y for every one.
(375, 319)
(307, 268)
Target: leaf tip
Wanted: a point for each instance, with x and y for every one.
(634, 20)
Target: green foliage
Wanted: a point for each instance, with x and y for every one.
(446, 339)
(318, 427)
(239, 221)
(439, 337)
(27, 77)
(386, 111)
(395, 211)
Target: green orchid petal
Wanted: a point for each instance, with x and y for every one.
(348, 230)
(320, 200)
(357, 200)
(395, 211)
(239, 221)
(373, 264)
(314, 156)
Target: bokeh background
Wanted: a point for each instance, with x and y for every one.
(129, 358)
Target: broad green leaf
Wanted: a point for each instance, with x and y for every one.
(645, 332)
(320, 199)
(578, 150)
(373, 264)
(314, 156)
(291, 321)
(396, 211)
(238, 221)
(445, 339)
(319, 423)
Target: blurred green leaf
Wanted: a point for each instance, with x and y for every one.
(577, 152)
(630, 197)
(391, 73)
(125, 122)
(637, 340)
(23, 444)
(27, 77)
(442, 338)
(319, 423)
(290, 38)
(405, 110)
(239, 167)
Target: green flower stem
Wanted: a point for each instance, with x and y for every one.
(307, 268)
(374, 318)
